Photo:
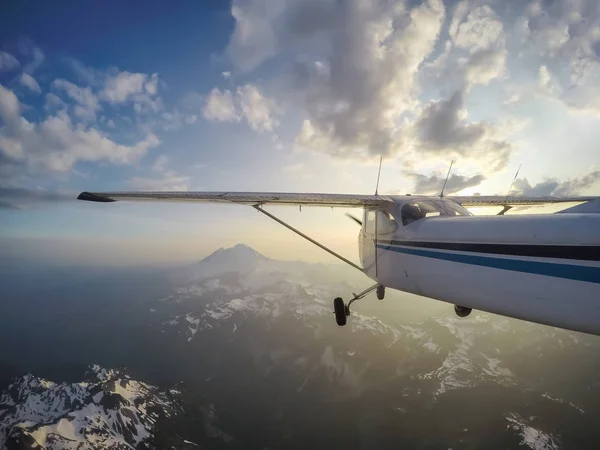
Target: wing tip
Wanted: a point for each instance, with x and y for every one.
(88, 196)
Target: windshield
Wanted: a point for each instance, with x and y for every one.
(454, 209)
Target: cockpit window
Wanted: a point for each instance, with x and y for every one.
(454, 209)
(419, 210)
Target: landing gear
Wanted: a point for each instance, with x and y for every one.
(462, 311)
(380, 292)
(342, 311)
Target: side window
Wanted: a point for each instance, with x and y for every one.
(370, 222)
(385, 223)
(419, 210)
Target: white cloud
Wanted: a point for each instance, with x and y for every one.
(139, 88)
(87, 103)
(53, 101)
(220, 107)
(484, 66)
(29, 82)
(10, 108)
(8, 62)
(479, 30)
(249, 104)
(226, 75)
(254, 38)
(258, 110)
(121, 87)
(546, 81)
(56, 144)
(566, 36)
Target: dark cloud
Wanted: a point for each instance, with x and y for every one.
(552, 186)
(433, 184)
(442, 127)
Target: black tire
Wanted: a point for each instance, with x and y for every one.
(380, 292)
(339, 308)
(462, 311)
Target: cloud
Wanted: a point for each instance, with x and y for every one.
(220, 107)
(443, 128)
(53, 101)
(139, 88)
(484, 66)
(356, 94)
(29, 82)
(37, 58)
(248, 103)
(254, 38)
(433, 184)
(566, 36)
(87, 102)
(259, 111)
(19, 198)
(55, 144)
(479, 30)
(555, 187)
(546, 82)
(8, 62)
(121, 87)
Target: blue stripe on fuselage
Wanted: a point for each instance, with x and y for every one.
(568, 271)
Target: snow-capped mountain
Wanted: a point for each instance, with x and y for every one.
(107, 410)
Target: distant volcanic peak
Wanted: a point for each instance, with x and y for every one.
(239, 252)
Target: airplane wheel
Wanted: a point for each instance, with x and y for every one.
(380, 292)
(462, 311)
(339, 307)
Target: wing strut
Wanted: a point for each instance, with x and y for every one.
(300, 233)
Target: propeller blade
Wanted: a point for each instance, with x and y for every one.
(358, 221)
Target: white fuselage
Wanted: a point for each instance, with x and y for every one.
(543, 268)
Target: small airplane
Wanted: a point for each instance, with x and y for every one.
(543, 268)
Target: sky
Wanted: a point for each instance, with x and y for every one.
(285, 96)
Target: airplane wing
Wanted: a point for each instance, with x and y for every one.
(244, 198)
(501, 200)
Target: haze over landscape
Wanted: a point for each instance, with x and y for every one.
(136, 325)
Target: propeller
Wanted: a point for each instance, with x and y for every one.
(358, 221)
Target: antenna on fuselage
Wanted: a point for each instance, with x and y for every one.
(446, 180)
(507, 207)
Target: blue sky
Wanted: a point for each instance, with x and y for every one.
(281, 95)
